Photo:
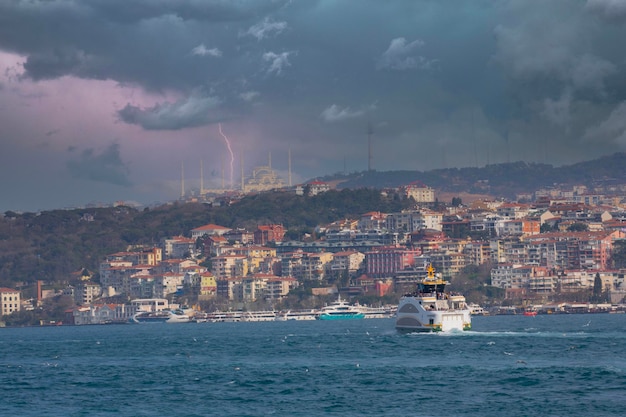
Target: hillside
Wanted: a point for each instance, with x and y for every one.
(501, 180)
(52, 245)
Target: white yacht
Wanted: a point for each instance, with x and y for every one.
(477, 310)
(340, 310)
(297, 315)
(164, 316)
(430, 309)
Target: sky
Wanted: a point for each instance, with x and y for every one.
(118, 100)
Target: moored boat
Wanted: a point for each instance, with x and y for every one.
(297, 315)
(477, 310)
(430, 309)
(384, 312)
(258, 316)
(164, 316)
(340, 310)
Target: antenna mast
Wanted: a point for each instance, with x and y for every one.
(289, 166)
(370, 132)
(201, 179)
(182, 179)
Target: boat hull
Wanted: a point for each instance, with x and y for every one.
(165, 317)
(413, 317)
(354, 316)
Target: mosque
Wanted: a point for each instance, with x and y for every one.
(262, 178)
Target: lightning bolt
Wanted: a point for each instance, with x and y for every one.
(232, 155)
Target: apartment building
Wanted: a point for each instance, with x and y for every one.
(9, 301)
(384, 262)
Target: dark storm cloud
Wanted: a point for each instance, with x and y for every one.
(440, 73)
(140, 41)
(196, 110)
(54, 63)
(105, 166)
(610, 10)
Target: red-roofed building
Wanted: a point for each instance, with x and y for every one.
(269, 233)
(208, 229)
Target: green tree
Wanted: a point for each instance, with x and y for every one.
(618, 257)
(597, 289)
(546, 228)
(578, 227)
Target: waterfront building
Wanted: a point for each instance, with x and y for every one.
(86, 291)
(9, 301)
(208, 285)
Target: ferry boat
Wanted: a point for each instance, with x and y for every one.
(430, 309)
(258, 316)
(340, 310)
(164, 316)
(384, 312)
(477, 310)
(224, 317)
(297, 315)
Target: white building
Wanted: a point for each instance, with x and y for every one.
(9, 301)
(86, 292)
(420, 192)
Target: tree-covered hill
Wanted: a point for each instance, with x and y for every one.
(502, 180)
(53, 244)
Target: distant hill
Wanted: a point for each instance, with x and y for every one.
(501, 180)
(53, 245)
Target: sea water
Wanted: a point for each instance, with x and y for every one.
(561, 365)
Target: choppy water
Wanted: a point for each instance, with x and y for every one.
(566, 365)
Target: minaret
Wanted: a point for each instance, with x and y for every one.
(201, 179)
(182, 180)
(289, 165)
(370, 132)
(243, 188)
(269, 158)
(222, 169)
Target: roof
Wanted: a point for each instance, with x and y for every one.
(210, 227)
(416, 183)
(7, 290)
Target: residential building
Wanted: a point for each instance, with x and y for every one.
(85, 292)
(349, 261)
(210, 230)
(269, 233)
(419, 192)
(384, 262)
(315, 265)
(229, 266)
(179, 247)
(208, 285)
(9, 301)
